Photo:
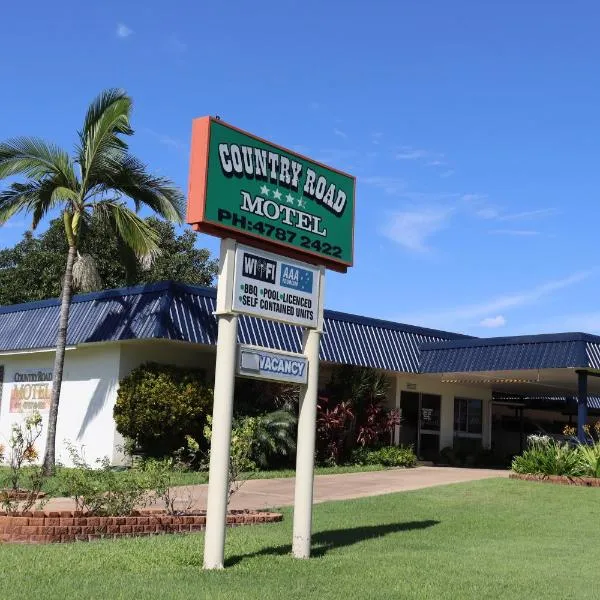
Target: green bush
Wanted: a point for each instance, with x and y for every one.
(545, 456)
(158, 405)
(388, 456)
(102, 490)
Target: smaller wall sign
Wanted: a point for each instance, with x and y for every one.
(271, 364)
(31, 389)
(274, 287)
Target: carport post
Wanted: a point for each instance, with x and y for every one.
(582, 397)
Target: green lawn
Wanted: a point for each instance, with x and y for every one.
(489, 539)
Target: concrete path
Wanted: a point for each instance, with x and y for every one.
(271, 493)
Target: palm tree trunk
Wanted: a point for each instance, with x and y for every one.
(59, 361)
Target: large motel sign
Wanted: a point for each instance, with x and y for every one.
(283, 220)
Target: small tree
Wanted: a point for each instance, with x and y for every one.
(158, 405)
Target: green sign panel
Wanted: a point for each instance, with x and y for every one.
(244, 187)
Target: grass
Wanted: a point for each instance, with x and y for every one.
(55, 485)
(489, 539)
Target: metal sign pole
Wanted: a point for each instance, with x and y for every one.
(218, 478)
(305, 449)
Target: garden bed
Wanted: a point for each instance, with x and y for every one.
(66, 526)
(558, 479)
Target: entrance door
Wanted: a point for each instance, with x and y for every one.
(409, 419)
(420, 423)
(429, 426)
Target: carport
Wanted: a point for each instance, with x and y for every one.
(553, 366)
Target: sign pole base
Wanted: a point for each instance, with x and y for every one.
(307, 425)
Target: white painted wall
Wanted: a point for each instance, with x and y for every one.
(87, 398)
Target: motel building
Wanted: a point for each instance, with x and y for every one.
(450, 388)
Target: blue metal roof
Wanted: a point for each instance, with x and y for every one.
(178, 312)
(546, 351)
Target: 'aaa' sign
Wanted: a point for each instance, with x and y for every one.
(246, 188)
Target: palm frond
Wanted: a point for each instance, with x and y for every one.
(37, 159)
(134, 231)
(34, 196)
(130, 177)
(99, 141)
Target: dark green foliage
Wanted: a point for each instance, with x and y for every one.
(254, 397)
(158, 405)
(388, 456)
(545, 456)
(274, 438)
(33, 269)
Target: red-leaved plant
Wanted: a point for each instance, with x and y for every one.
(333, 426)
(377, 424)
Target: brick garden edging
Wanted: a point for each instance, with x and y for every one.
(558, 479)
(65, 526)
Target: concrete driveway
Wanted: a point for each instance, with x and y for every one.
(271, 493)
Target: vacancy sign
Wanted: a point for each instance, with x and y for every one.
(273, 287)
(271, 364)
(243, 187)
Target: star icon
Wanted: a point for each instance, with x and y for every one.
(277, 195)
(301, 203)
(289, 199)
(264, 190)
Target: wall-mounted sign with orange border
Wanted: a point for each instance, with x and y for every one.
(254, 191)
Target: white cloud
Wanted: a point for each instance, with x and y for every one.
(390, 185)
(123, 31)
(487, 213)
(530, 214)
(447, 173)
(340, 133)
(412, 229)
(516, 232)
(176, 44)
(408, 153)
(468, 314)
(167, 140)
(492, 322)
(376, 137)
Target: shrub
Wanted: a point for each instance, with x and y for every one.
(333, 430)
(352, 412)
(26, 479)
(388, 456)
(102, 490)
(241, 465)
(589, 457)
(158, 405)
(274, 436)
(545, 456)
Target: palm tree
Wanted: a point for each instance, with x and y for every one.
(97, 180)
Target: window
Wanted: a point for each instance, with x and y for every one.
(468, 415)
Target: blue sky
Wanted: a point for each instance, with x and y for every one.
(472, 128)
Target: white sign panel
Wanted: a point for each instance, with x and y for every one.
(274, 287)
(271, 364)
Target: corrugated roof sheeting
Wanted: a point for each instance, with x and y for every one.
(178, 312)
(593, 355)
(545, 354)
(347, 339)
(113, 318)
